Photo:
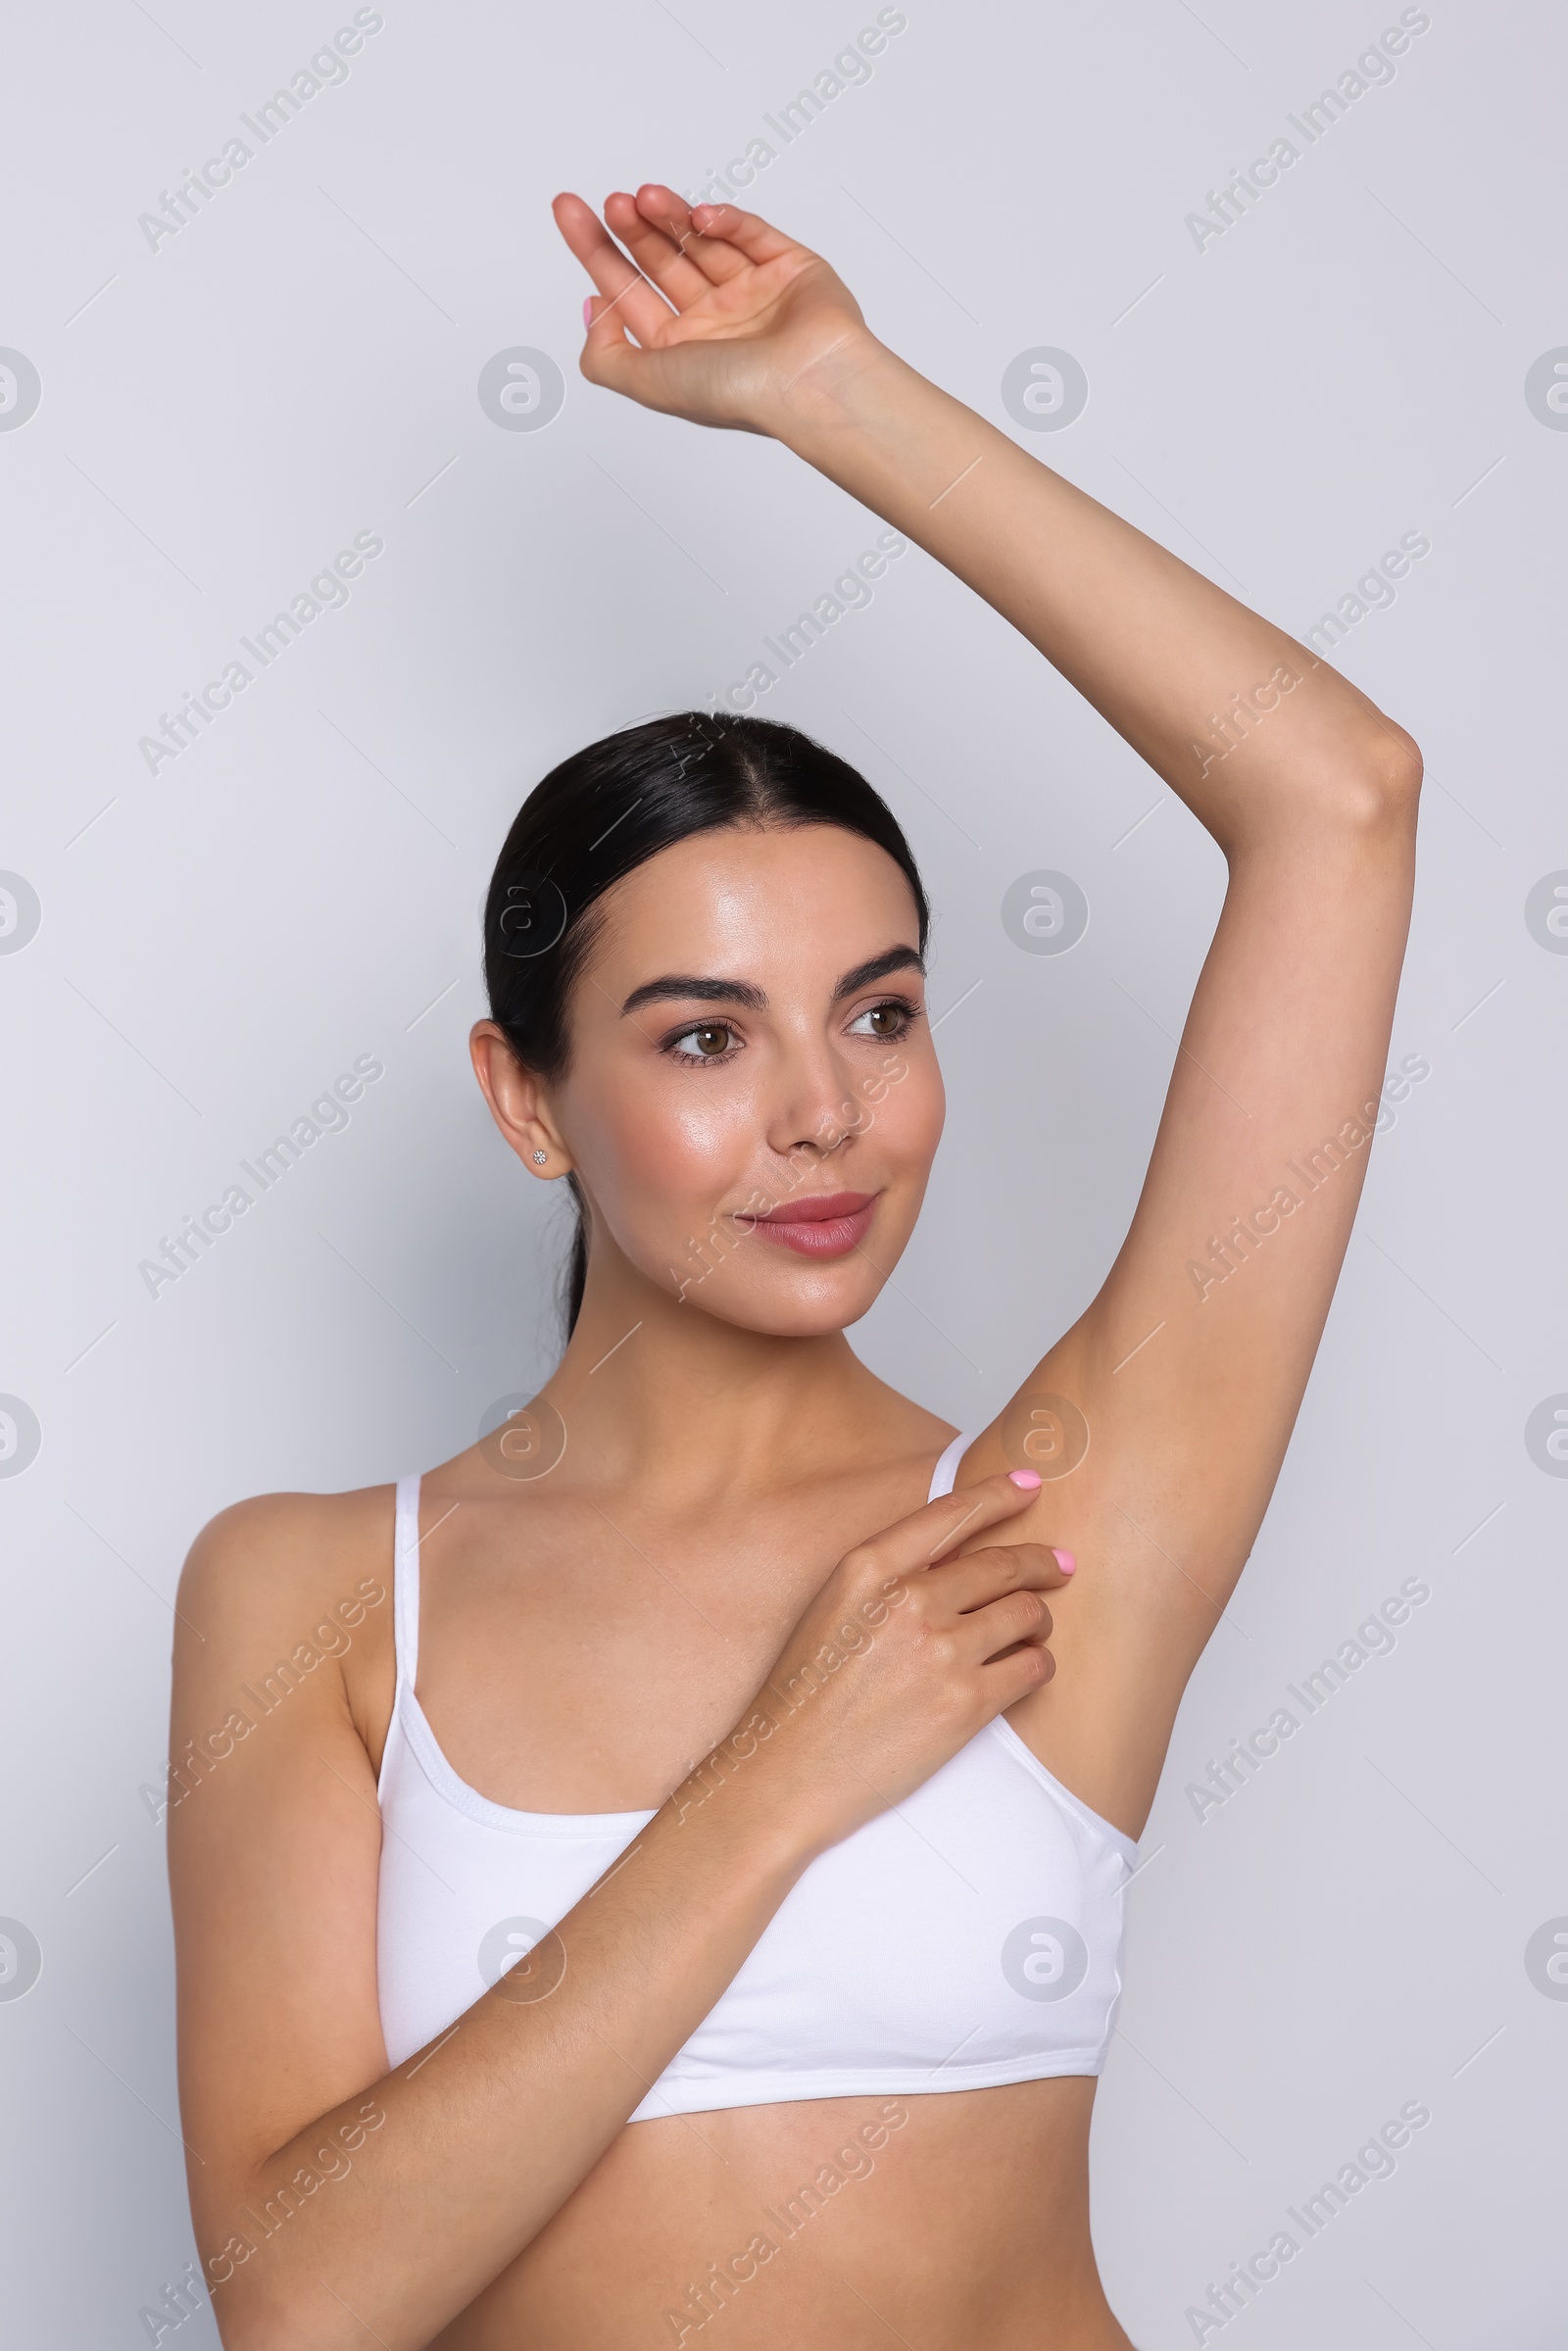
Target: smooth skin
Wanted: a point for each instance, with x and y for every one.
(736, 1482)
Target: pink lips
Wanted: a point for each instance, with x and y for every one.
(828, 1226)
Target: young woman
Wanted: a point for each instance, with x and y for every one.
(649, 1876)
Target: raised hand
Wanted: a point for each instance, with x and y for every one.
(722, 319)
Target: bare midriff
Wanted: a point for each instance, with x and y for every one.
(943, 2221)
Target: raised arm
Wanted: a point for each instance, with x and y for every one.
(1161, 1420)
(755, 333)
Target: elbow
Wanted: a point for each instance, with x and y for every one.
(1381, 786)
(1400, 767)
(1354, 785)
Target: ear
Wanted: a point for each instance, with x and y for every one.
(519, 1104)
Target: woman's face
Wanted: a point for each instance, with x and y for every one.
(752, 1100)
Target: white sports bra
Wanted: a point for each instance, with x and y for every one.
(969, 1936)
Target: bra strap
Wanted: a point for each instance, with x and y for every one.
(946, 1469)
(406, 1581)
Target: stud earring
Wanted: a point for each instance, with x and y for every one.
(540, 1158)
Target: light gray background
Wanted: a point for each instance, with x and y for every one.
(220, 416)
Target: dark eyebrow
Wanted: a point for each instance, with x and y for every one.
(896, 958)
(684, 986)
(706, 992)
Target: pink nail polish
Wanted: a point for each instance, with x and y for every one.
(1028, 1479)
(1066, 1561)
(588, 312)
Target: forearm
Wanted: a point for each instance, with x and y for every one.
(485, 2133)
(1243, 723)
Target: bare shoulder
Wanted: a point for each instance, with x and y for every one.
(282, 1546)
(280, 1585)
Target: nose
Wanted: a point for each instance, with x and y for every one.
(815, 1107)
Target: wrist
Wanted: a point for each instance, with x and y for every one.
(850, 387)
(886, 433)
(749, 1787)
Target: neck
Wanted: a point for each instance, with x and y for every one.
(656, 1388)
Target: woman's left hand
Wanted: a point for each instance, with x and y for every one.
(724, 321)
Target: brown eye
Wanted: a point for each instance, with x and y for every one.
(885, 1021)
(711, 1041)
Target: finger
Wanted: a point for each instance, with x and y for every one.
(607, 351)
(985, 1574)
(620, 285)
(748, 232)
(656, 253)
(988, 1633)
(919, 1541)
(612, 360)
(713, 257)
(961, 1517)
(1007, 1680)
